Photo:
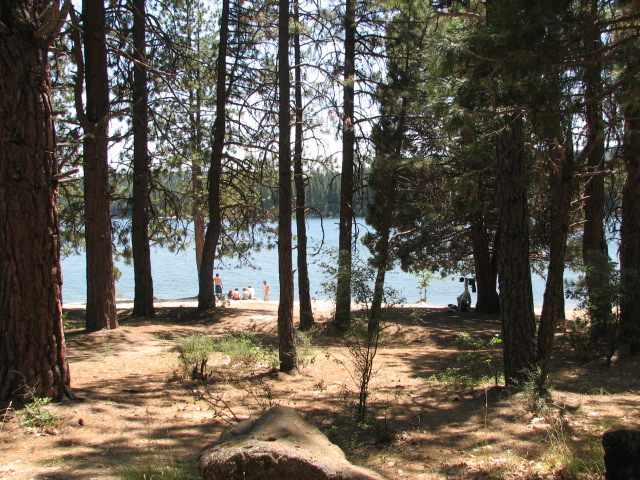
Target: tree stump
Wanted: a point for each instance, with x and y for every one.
(622, 454)
(278, 445)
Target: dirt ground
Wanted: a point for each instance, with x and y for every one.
(138, 417)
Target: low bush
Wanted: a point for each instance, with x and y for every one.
(478, 364)
(194, 351)
(36, 415)
(242, 348)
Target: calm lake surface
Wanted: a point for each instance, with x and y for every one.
(175, 273)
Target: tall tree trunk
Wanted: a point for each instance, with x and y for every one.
(101, 299)
(389, 194)
(486, 281)
(206, 298)
(198, 216)
(342, 319)
(143, 299)
(630, 234)
(561, 186)
(514, 274)
(196, 181)
(382, 258)
(286, 332)
(195, 120)
(593, 237)
(33, 359)
(304, 290)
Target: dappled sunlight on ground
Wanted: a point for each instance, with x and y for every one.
(137, 410)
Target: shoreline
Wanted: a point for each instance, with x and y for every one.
(323, 306)
(192, 302)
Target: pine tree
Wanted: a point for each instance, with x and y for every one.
(30, 301)
(286, 332)
(143, 300)
(101, 301)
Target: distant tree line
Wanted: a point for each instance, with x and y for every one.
(322, 194)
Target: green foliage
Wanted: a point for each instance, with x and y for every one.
(537, 393)
(572, 460)
(576, 332)
(479, 364)
(322, 195)
(194, 351)
(363, 345)
(35, 415)
(305, 348)
(351, 437)
(424, 280)
(348, 438)
(362, 282)
(242, 348)
(161, 469)
(593, 334)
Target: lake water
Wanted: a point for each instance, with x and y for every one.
(175, 273)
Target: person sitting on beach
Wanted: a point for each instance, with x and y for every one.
(230, 294)
(236, 295)
(245, 294)
(251, 292)
(464, 300)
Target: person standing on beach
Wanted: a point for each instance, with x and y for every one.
(217, 281)
(266, 288)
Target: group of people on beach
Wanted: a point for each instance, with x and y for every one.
(248, 293)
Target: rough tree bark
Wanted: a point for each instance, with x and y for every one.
(195, 99)
(514, 273)
(143, 281)
(286, 332)
(630, 234)
(33, 359)
(562, 183)
(304, 290)
(101, 299)
(486, 281)
(199, 226)
(342, 319)
(206, 298)
(593, 236)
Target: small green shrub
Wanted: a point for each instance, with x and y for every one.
(347, 437)
(35, 415)
(305, 349)
(538, 398)
(363, 347)
(194, 351)
(573, 460)
(159, 469)
(478, 364)
(241, 348)
(595, 335)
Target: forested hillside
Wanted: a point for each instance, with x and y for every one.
(322, 191)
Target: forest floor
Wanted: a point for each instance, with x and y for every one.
(140, 417)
